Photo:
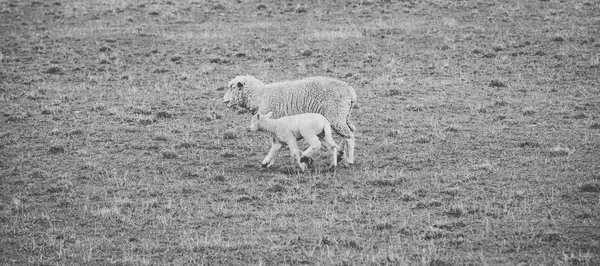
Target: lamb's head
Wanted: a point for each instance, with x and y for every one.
(258, 121)
(237, 90)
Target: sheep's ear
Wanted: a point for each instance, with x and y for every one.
(240, 85)
(269, 114)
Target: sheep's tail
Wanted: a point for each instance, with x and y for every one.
(352, 97)
(351, 126)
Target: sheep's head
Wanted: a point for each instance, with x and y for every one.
(237, 90)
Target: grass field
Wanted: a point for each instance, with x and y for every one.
(478, 133)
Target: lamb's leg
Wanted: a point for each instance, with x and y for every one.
(334, 158)
(332, 147)
(315, 145)
(295, 152)
(270, 160)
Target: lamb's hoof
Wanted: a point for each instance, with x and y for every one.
(307, 160)
(264, 165)
(303, 167)
(340, 156)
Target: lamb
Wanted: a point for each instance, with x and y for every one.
(313, 128)
(329, 97)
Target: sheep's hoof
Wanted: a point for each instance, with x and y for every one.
(307, 160)
(264, 165)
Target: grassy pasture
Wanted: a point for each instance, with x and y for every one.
(478, 133)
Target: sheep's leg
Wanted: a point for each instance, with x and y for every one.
(340, 153)
(349, 153)
(350, 141)
(344, 129)
(295, 152)
(334, 160)
(345, 149)
(340, 156)
(270, 160)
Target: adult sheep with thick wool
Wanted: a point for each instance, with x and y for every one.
(330, 97)
(313, 128)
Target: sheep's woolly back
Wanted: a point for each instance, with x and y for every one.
(311, 95)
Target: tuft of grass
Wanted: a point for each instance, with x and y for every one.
(186, 145)
(559, 151)
(484, 166)
(219, 178)
(230, 134)
(335, 34)
(477, 108)
(276, 188)
(528, 144)
(54, 70)
(56, 149)
(228, 155)
(528, 111)
(590, 187)
(163, 115)
(415, 108)
(161, 138)
(60, 186)
(168, 154)
(75, 133)
(501, 103)
(497, 84)
(394, 92)
(451, 129)
(386, 182)
(423, 140)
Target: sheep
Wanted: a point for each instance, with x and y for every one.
(329, 97)
(312, 127)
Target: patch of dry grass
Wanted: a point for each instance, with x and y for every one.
(477, 134)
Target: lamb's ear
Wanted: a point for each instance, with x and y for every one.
(269, 114)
